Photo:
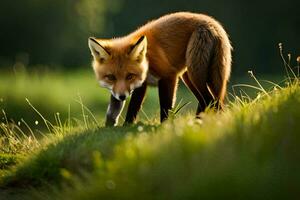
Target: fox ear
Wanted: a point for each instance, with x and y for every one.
(139, 49)
(97, 50)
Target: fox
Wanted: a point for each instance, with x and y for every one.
(186, 46)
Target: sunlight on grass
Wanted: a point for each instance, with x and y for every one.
(250, 150)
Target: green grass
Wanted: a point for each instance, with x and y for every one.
(249, 151)
(50, 93)
(56, 92)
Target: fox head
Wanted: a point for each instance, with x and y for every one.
(119, 66)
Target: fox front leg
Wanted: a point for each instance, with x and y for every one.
(135, 104)
(113, 111)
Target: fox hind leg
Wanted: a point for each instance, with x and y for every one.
(198, 57)
(202, 94)
(203, 69)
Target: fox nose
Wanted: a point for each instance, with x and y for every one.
(122, 97)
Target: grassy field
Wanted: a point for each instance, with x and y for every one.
(62, 151)
(64, 93)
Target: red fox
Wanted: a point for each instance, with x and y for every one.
(192, 47)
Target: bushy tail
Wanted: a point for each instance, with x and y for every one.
(208, 60)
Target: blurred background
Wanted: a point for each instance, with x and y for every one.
(55, 32)
(52, 35)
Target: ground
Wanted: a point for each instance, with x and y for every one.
(248, 151)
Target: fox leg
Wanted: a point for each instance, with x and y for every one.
(167, 95)
(113, 111)
(208, 61)
(135, 104)
(201, 68)
(202, 94)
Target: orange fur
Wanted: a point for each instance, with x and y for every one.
(194, 47)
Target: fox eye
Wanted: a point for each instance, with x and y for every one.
(110, 77)
(130, 76)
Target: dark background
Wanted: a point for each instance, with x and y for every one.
(55, 32)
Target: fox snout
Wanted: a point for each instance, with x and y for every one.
(120, 90)
(121, 97)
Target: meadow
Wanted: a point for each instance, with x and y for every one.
(53, 144)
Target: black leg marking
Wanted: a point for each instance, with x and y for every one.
(135, 104)
(113, 111)
(167, 96)
(205, 101)
(202, 94)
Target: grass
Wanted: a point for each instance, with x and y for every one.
(64, 93)
(249, 151)
(50, 92)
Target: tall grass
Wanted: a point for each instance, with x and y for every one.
(248, 151)
(50, 93)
